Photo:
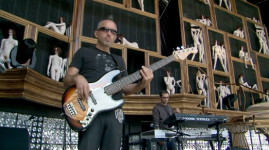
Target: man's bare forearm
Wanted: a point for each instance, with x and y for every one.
(133, 88)
(69, 80)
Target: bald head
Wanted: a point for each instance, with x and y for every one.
(100, 24)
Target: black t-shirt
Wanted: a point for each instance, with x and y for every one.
(93, 64)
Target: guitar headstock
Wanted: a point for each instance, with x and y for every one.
(182, 52)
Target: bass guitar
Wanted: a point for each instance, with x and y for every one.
(80, 113)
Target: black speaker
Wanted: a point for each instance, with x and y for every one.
(14, 139)
(19, 55)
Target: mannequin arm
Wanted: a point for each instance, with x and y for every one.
(60, 24)
(213, 52)
(16, 42)
(61, 71)
(48, 73)
(1, 46)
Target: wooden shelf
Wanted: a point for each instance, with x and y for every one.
(30, 85)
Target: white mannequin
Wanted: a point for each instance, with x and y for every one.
(123, 41)
(227, 90)
(196, 36)
(177, 82)
(254, 19)
(69, 30)
(239, 32)
(224, 57)
(244, 55)
(165, 1)
(170, 82)
(216, 54)
(208, 21)
(227, 4)
(202, 52)
(202, 20)
(57, 27)
(207, 2)
(221, 93)
(6, 47)
(200, 81)
(242, 82)
(64, 66)
(141, 3)
(263, 41)
(55, 65)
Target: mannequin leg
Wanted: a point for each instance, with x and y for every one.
(57, 77)
(52, 74)
(141, 3)
(53, 26)
(193, 56)
(215, 62)
(220, 2)
(246, 62)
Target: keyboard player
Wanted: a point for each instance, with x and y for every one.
(160, 113)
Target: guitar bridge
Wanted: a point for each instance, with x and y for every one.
(71, 108)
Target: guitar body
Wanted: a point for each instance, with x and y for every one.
(80, 113)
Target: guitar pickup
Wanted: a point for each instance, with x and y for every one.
(71, 108)
(81, 104)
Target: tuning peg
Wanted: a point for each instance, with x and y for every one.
(182, 47)
(178, 48)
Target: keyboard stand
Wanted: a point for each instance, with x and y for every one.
(218, 135)
(180, 135)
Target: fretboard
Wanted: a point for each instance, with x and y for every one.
(118, 85)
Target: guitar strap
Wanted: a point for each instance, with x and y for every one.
(118, 65)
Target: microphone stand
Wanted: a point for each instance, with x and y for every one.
(180, 135)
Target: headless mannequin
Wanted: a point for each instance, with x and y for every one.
(263, 41)
(123, 41)
(244, 55)
(200, 81)
(6, 47)
(216, 54)
(65, 66)
(222, 93)
(55, 65)
(196, 36)
(224, 57)
(170, 82)
(202, 52)
(57, 27)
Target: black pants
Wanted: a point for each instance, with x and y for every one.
(105, 133)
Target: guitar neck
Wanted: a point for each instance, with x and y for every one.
(120, 84)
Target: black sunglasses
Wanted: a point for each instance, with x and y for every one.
(105, 29)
